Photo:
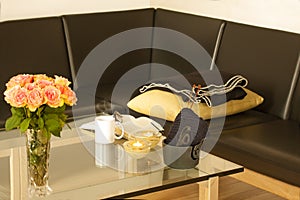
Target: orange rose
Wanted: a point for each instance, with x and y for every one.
(41, 77)
(69, 96)
(59, 80)
(52, 96)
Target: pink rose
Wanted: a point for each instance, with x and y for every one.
(9, 94)
(52, 96)
(42, 83)
(30, 86)
(35, 99)
(16, 96)
(20, 79)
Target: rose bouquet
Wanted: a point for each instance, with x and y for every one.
(37, 104)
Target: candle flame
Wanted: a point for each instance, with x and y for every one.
(137, 144)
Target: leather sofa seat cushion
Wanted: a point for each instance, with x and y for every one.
(107, 97)
(270, 148)
(118, 93)
(101, 106)
(100, 102)
(247, 118)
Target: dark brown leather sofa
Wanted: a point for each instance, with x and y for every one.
(265, 140)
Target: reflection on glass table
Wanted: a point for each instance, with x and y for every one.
(75, 174)
(95, 171)
(82, 169)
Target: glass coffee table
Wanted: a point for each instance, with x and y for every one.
(81, 169)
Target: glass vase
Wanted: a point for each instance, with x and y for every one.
(38, 151)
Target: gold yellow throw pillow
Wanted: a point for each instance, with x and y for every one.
(166, 105)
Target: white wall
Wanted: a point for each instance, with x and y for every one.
(277, 14)
(20, 9)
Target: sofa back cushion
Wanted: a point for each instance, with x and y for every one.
(267, 58)
(203, 30)
(295, 108)
(31, 46)
(86, 31)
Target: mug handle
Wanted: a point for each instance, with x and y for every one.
(122, 128)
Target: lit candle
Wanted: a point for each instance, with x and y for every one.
(137, 145)
(137, 148)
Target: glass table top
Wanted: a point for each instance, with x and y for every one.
(82, 169)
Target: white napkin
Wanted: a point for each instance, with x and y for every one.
(131, 124)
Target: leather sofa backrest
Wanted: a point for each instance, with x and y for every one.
(31, 46)
(59, 45)
(267, 58)
(295, 108)
(203, 30)
(87, 31)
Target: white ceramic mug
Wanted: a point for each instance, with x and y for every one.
(105, 129)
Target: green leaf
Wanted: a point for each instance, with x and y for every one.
(63, 117)
(62, 123)
(53, 126)
(24, 125)
(39, 111)
(28, 113)
(17, 111)
(33, 122)
(40, 123)
(55, 110)
(47, 133)
(50, 116)
(43, 136)
(13, 122)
